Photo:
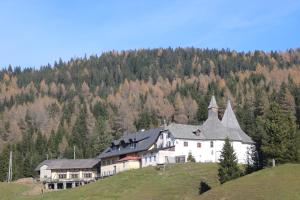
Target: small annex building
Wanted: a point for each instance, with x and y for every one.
(67, 173)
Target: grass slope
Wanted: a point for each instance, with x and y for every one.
(179, 181)
(282, 182)
(12, 191)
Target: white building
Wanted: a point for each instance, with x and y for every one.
(205, 142)
(67, 173)
(174, 143)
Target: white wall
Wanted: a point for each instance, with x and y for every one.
(206, 153)
(149, 158)
(44, 173)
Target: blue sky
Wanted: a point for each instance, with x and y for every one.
(34, 33)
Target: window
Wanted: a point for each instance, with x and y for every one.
(211, 144)
(150, 159)
(62, 176)
(154, 158)
(212, 152)
(185, 144)
(131, 145)
(169, 135)
(180, 159)
(161, 136)
(87, 175)
(74, 175)
(168, 144)
(199, 145)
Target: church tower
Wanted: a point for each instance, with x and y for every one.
(213, 108)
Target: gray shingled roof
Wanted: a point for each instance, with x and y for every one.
(229, 120)
(183, 131)
(68, 164)
(212, 128)
(143, 139)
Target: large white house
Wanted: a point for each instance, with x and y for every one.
(205, 142)
(173, 143)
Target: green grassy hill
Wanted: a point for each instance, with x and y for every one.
(177, 182)
(282, 182)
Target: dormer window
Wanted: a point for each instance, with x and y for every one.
(169, 135)
(131, 145)
(168, 144)
(197, 132)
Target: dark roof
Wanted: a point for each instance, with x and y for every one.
(68, 164)
(143, 140)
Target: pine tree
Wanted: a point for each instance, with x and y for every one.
(279, 140)
(4, 156)
(79, 136)
(191, 158)
(101, 138)
(228, 166)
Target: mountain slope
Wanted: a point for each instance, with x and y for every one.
(46, 112)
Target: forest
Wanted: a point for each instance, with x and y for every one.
(86, 102)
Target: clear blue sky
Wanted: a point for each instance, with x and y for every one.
(34, 33)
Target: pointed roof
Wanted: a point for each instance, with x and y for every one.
(213, 103)
(229, 119)
(212, 128)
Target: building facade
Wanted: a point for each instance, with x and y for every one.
(173, 143)
(205, 142)
(137, 150)
(67, 173)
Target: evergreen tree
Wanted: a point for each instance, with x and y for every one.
(191, 158)
(53, 145)
(146, 120)
(4, 159)
(41, 144)
(279, 140)
(79, 135)
(228, 166)
(101, 138)
(252, 160)
(202, 110)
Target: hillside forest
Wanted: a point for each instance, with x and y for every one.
(86, 102)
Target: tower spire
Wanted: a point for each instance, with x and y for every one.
(229, 119)
(213, 107)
